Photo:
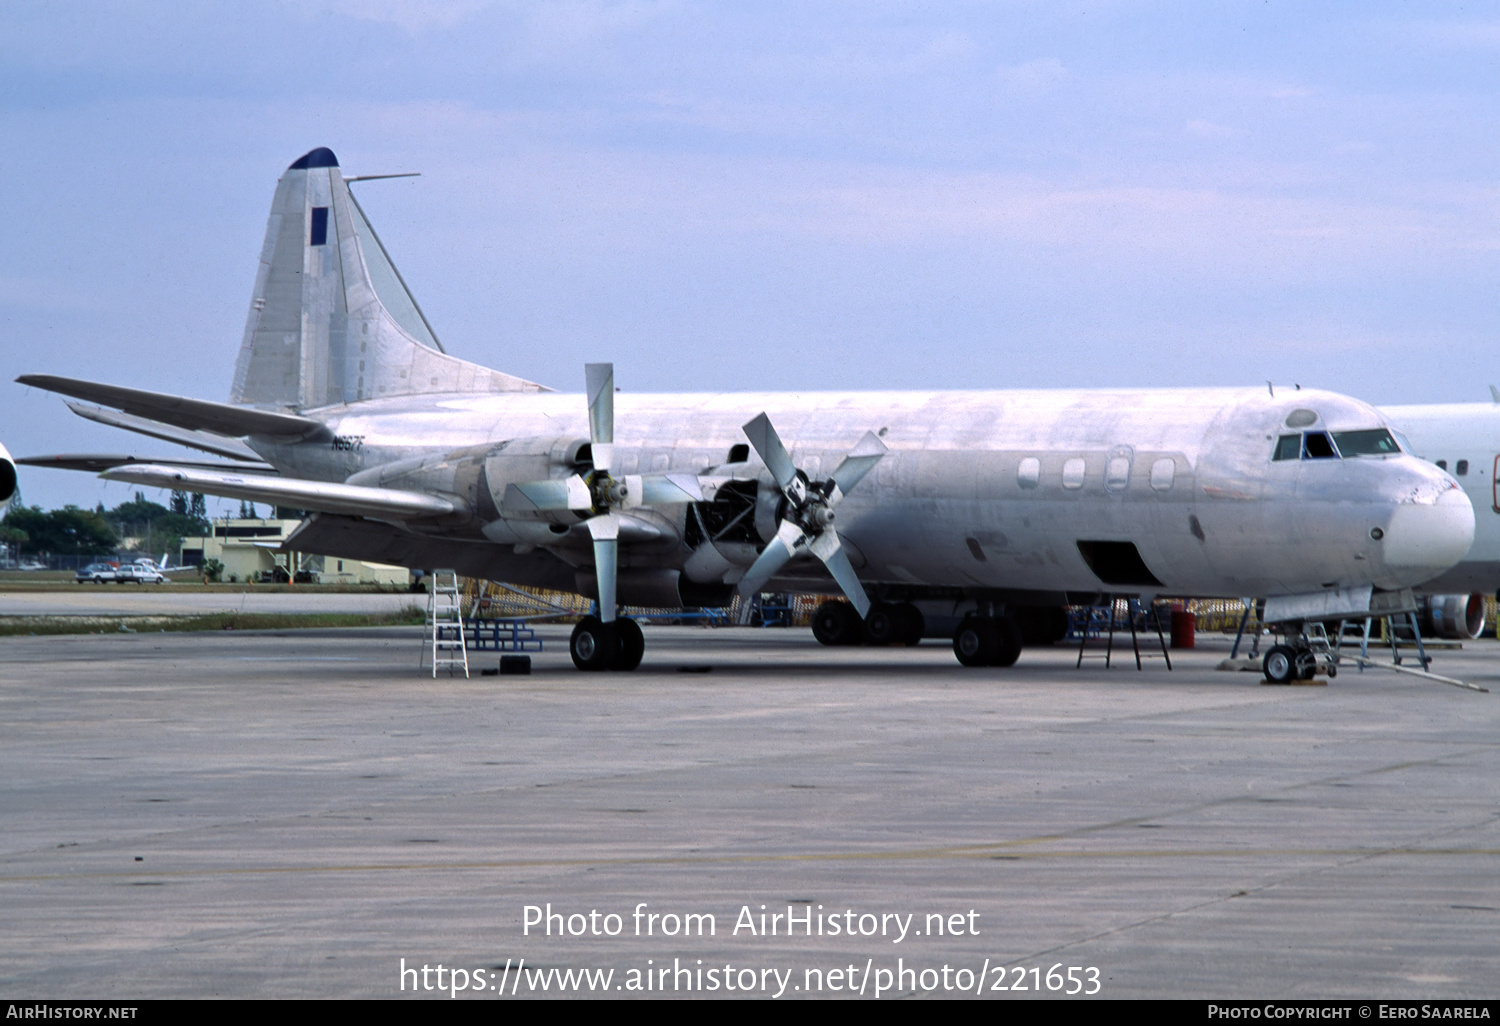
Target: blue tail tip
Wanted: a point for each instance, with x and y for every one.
(320, 157)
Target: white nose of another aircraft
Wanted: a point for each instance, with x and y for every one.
(1428, 532)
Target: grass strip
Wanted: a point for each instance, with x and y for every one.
(11, 626)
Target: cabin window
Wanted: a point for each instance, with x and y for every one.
(1029, 472)
(1316, 446)
(1461, 467)
(1073, 474)
(739, 453)
(1162, 472)
(1117, 473)
(1442, 464)
(1288, 447)
(1374, 442)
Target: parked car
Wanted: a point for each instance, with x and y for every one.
(98, 573)
(139, 574)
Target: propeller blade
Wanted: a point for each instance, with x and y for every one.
(827, 548)
(772, 453)
(667, 489)
(605, 530)
(534, 496)
(601, 389)
(860, 461)
(775, 556)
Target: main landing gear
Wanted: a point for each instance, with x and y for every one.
(617, 645)
(838, 623)
(988, 641)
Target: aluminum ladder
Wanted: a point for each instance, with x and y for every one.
(444, 640)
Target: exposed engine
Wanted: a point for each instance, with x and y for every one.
(1457, 617)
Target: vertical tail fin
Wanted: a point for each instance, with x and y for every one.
(331, 320)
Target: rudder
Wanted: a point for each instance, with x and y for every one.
(331, 320)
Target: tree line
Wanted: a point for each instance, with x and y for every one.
(72, 531)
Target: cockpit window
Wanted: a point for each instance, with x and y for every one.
(1374, 442)
(1288, 447)
(1316, 446)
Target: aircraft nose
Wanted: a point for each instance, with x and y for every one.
(1428, 533)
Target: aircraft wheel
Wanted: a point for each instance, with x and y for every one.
(1008, 634)
(837, 623)
(883, 625)
(913, 625)
(976, 642)
(1280, 664)
(592, 644)
(631, 644)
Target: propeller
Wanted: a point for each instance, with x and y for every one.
(598, 493)
(808, 524)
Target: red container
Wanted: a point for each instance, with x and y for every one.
(1184, 628)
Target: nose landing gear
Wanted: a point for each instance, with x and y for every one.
(1284, 664)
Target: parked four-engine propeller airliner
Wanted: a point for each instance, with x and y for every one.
(972, 515)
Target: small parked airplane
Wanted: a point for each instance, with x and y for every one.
(975, 515)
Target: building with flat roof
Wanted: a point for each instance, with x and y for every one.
(251, 550)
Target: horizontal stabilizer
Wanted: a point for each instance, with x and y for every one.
(193, 414)
(219, 445)
(353, 500)
(96, 462)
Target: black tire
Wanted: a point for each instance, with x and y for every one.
(837, 623)
(883, 625)
(592, 645)
(913, 624)
(1008, 633)
(976, 642)
(1280, 664)
(630, 644)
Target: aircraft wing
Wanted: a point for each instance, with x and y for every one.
(193, 414)
(101, 461)
(353, 500)
(219, 445)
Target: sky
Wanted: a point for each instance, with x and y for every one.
(769, 195)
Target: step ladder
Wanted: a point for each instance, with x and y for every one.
(444, 640)
(1105, 620)
(1352, 632)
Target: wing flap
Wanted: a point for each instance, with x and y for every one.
(351, 500)
(219, 445)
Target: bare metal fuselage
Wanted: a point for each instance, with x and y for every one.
(981, 491)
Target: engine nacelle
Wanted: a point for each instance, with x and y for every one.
(1459, 617)
(522, 460)
(8, 480)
